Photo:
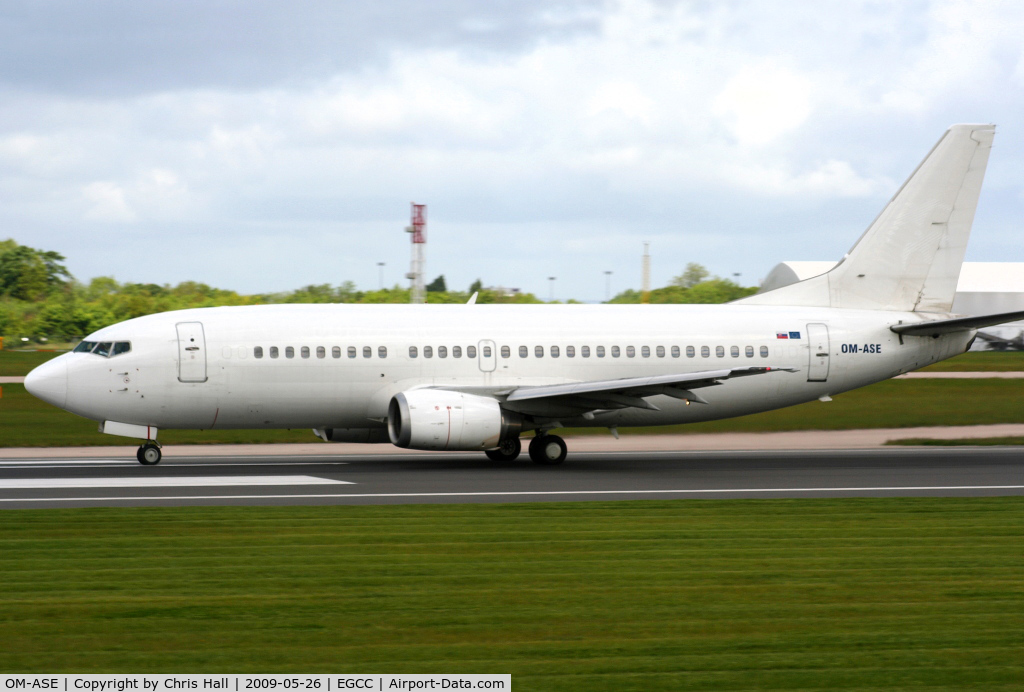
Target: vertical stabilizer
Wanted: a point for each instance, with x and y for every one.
(910, 257)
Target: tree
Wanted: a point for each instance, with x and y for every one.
(476, 287)
(29, 274)
(437, 285)
(693, 275)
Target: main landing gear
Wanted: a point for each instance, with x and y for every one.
(507, 451)
(149, 454)
(548, 450)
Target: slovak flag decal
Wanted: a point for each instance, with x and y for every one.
(781, 335)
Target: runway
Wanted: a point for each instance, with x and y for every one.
(334, 479)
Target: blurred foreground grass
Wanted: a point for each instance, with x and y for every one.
(912, 593)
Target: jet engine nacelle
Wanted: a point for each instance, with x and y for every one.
(443, 420)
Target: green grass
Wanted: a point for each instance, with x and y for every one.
(18, 363)
(964, 442)
(27, 422)
(981, 361)
(755, 594)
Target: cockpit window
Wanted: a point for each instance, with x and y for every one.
(107, 349)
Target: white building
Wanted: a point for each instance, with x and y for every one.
(984, 288)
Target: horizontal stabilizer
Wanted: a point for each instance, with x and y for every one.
(958, 324)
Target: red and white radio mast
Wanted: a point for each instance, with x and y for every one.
(418, 229)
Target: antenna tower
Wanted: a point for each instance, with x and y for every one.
(646, 296)
(418, 229)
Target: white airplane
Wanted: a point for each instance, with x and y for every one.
(474, 377)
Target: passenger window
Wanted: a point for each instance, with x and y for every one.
(305, 352)
(506, 352)
(257, 352)
(351, 351)
(630, 352)
(645, 351)
(585, 351)
(428, 351)
(274, 353)
(615, 351)
(570, 351)
(554, 352)
(538, 351)
(675, 352)
(705, 352)
(367, 352)
(456, 352)
(600, 351)
(289, 352)
(122, 347)
(660, 351)
(336, 352)
(442, 351)
(487, 351)
(690, 351)
(471, 351)
(523, 352)
(764, 351)
(413, 352)
(382, 351)
(749, 351)
(321, 352)
(734, 351)
(720, 351)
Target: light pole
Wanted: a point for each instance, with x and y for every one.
(607, 286)
(380, 273)
(551, 288)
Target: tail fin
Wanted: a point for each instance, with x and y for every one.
(909, 258)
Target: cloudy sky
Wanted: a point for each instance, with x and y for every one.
(262, 146)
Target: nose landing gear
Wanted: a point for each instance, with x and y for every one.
(149, 454)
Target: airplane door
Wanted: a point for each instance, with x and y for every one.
(191, 352)
(817, 341)
(488, 358)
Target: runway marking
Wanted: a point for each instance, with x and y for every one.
(162, 482)
(512, 493)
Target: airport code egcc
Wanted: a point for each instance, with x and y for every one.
(241, 683)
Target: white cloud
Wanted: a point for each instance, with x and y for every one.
(658, 112)
(107, 202)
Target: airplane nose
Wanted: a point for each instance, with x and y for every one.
(49, 382)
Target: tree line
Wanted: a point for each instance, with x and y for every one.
(42, 302)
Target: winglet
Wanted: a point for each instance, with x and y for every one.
(472, 298)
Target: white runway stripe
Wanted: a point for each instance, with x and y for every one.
(162, 482)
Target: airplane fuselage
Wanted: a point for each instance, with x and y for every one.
(338, 366)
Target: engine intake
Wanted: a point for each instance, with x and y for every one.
(438, 419)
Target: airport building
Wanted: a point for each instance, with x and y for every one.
(984, 288)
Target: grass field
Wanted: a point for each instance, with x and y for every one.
(760, 594)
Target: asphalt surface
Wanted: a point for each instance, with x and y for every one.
(448, 478)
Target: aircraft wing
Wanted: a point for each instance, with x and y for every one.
(627, 392)
(957, 324)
